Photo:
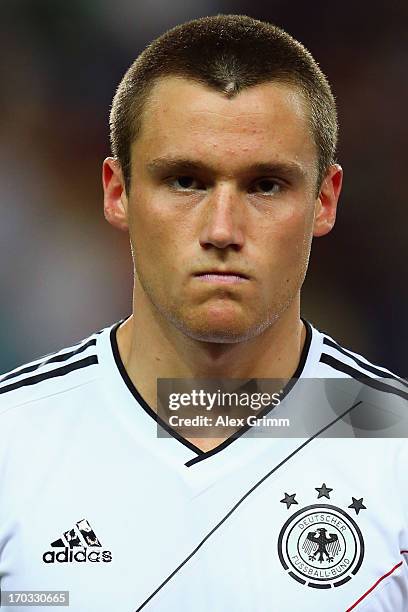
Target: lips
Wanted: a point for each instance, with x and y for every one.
(221, 273)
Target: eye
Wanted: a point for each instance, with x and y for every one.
(185, 182)
(266, 186)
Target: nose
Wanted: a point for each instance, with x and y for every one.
(223, 219)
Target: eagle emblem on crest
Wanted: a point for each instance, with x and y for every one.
(317, 543)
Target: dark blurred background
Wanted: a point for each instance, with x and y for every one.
(65, 272)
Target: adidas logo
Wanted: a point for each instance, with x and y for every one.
(78, 545)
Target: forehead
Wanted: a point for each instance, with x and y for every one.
(184, 117)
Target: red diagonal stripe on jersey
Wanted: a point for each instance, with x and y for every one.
(373, 587)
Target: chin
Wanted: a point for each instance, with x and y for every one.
(218, 323)
(217, 336)
(222, 330)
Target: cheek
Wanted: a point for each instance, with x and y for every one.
(288, 237)
(161, 229)
(146, 224)
(296, 246)
(155, 243)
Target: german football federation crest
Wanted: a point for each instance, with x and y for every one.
(321, 545)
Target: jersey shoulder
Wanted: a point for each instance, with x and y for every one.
(381, 393)
(350, 363)
(51, 374)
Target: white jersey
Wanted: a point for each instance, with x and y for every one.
(93, 502)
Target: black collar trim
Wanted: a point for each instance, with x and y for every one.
(200, 453)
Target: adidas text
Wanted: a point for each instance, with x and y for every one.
(80, 556)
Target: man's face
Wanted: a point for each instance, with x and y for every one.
(222, 186)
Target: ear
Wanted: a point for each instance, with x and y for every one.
(326, 202)
(115, 203)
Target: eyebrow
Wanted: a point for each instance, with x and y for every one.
(160, 165)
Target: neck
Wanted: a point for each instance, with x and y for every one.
(151, 347)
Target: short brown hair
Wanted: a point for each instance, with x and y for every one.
(227, 53)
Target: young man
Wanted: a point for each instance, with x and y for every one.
(223, 136)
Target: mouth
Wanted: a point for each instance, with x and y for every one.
(221, 276)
